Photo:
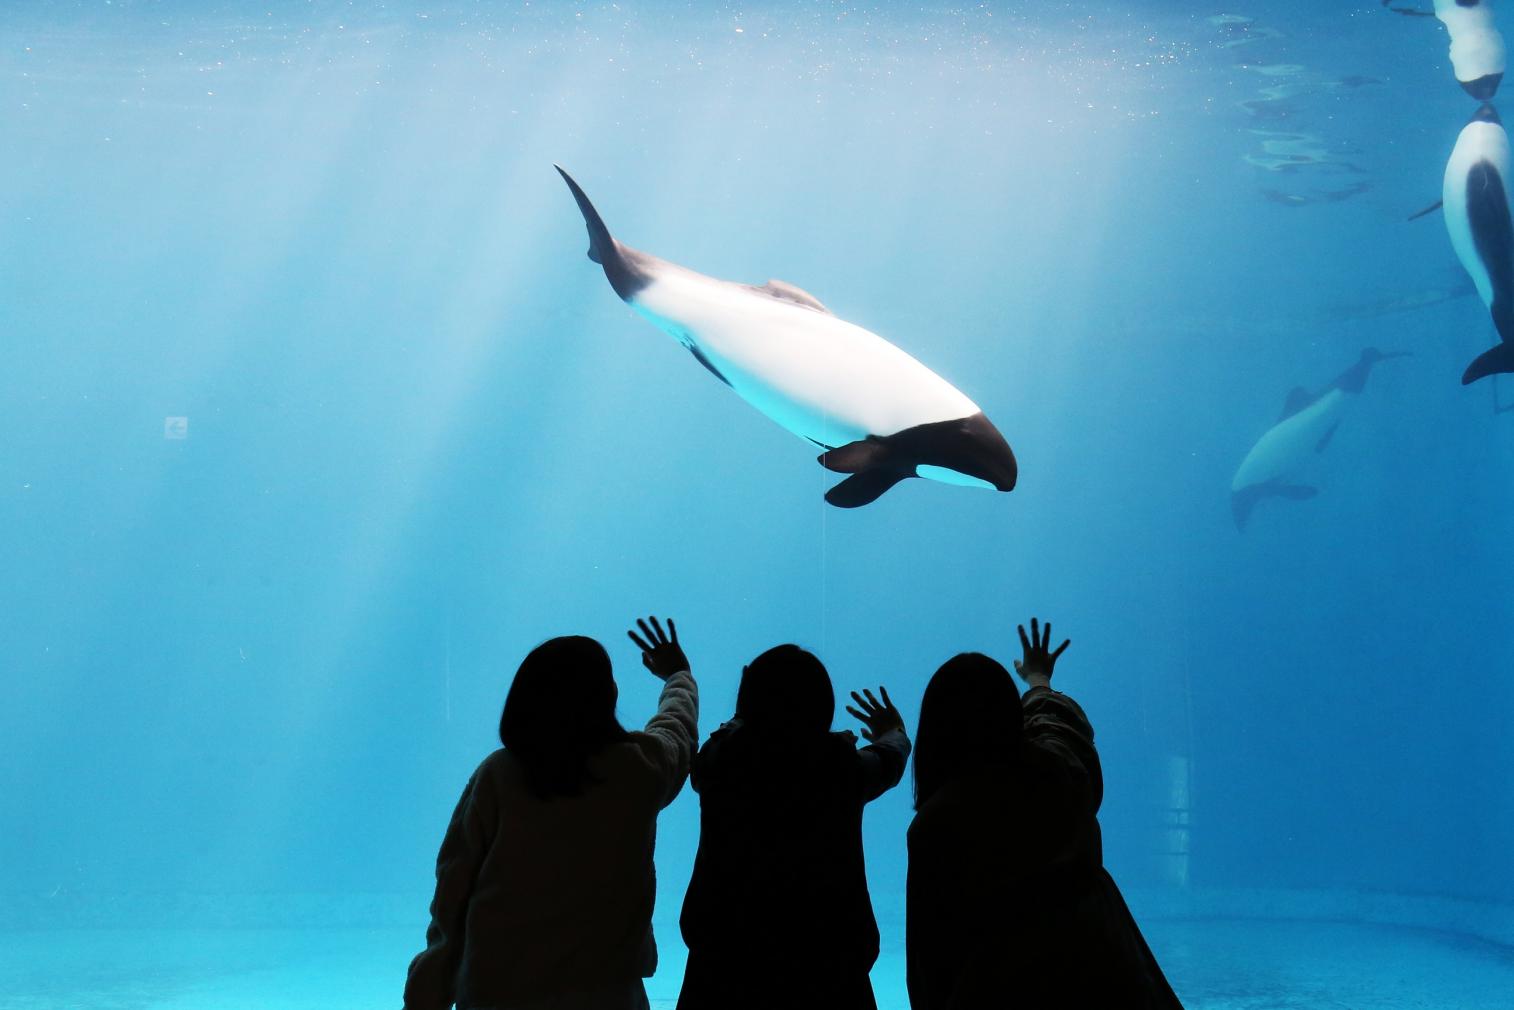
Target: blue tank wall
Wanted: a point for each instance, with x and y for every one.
(423, 434)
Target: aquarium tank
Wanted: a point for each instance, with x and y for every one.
(318, 418)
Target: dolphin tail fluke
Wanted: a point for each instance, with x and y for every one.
(1241, 505)
(1499, 358)
(625, 268)
(863, 488)
(1244, 500)
(601, 245)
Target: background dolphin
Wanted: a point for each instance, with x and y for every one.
(1308, 422)
(1475, 200)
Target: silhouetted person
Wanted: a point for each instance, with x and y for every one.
(544, 883)
(777, 913)
(1009, 904)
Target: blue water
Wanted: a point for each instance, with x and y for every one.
(256, 653)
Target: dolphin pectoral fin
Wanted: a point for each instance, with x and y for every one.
(1499, 358)
(792, 293)
(864, 488)
(1326, 437)
(704, 360)
(1427, 211)
(855, 457)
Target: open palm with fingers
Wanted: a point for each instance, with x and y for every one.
(1039, 659)
(660, 651)
(877, 717)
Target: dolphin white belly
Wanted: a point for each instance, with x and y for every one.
(1477, 47)
(1480, 142)
(1291, 443)
(824, 379)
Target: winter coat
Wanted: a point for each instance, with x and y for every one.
(777, 912)
(537, 900)
(1008, 904)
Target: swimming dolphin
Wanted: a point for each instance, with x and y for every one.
(878, 414)
(1476, 202)
(1271, 469)
(1477, 49)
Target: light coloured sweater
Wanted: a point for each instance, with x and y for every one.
(538, 900)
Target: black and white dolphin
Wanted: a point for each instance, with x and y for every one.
(1275, 466)
(1476, 201)
(879, 414)
(1477, 49)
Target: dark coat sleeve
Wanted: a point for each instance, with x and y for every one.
(432, 981)
(707, 760)
(882, 763)
(1058, 732)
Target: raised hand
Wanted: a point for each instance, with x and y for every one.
(660, 652)
(1035, 669)
(877, 717)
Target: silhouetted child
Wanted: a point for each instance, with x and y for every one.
(1008, 902)
(777, 913)
(544, 883)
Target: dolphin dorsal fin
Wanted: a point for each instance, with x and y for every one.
(792, 293)
(1298, 399)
